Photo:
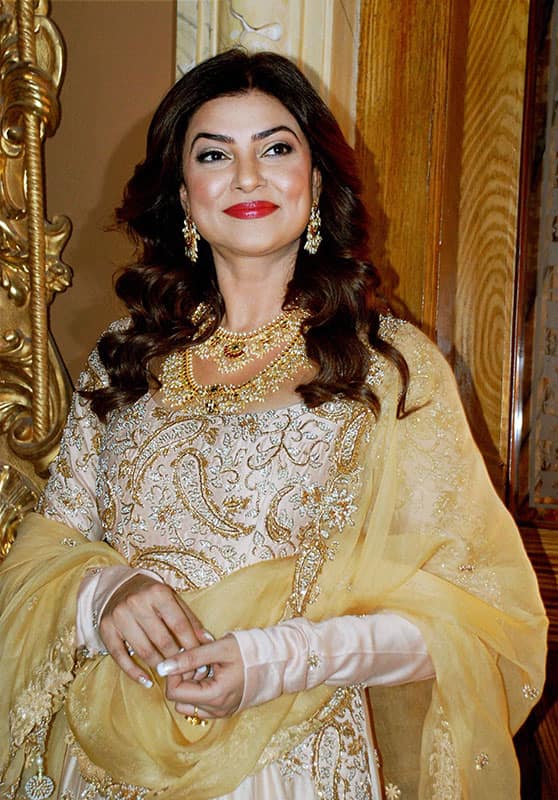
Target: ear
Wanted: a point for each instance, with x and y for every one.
(184, 198)
(316, 183)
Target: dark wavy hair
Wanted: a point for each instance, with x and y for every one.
(338, 286)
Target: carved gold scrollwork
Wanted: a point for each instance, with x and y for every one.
(17, 496)
(34, 387)
(16, 394)
(27, 89)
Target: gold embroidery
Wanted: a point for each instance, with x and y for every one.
(100, 781)
(273, 528)
(390, 327)
(313, 660)
(193, 570)
(286, 740)
(156, 444)
(354, 434)
(219, 491)
(327, 757)
(43, 696)
(481, 761)
(275, 471)
(190, 471)
(442, 764)
(330, 507)
(529, 692)
(337, 754)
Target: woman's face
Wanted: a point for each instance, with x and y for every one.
(248, 176)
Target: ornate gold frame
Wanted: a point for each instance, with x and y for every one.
(34, 386)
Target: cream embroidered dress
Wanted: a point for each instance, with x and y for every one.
(195, 497)
(268, 516)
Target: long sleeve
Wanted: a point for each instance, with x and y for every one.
(95, 591)
(69, 496)
(373, 650)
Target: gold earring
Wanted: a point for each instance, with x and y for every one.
(191, 238)
(313, 235)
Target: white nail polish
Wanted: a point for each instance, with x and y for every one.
(166, 667)
(145, 682)
(208, 636)
(202, 672)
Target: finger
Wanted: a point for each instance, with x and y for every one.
(191, 660)
(207, 671)
(190, 676)
(197, 626)
(191, 694)
(158, 611)
(218, 702)
(174, 684)
(119, 652)
(146, 635)
(219, 698)
(179, 630)
(181, 627)
(210, 693)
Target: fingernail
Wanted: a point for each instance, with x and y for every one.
(202, 672)
(208, 636)
(166, 667)
(145, 682)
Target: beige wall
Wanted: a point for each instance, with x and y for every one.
(119, 62)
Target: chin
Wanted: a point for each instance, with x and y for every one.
(255, 249)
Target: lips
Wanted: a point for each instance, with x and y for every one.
(252, 210)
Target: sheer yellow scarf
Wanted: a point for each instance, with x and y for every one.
(427, 538)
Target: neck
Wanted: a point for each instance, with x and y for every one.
(253, 290)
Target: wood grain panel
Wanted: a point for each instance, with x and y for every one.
(537, 741)
(487, 221)
(406, 69)
(542, 547)
(439, 116)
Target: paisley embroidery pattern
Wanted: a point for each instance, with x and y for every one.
(195, 496)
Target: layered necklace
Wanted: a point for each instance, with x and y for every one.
(232, 352)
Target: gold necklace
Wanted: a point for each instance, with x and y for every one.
(181, 389)
(233, 351)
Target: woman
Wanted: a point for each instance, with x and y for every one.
(266, 500)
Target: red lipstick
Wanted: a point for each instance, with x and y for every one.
(251, 210)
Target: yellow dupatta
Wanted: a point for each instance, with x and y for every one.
(427, 538)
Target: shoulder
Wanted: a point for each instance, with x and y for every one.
(429, 371)
(94, 375)
(403, 334)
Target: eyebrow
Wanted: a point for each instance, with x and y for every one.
(220, 137)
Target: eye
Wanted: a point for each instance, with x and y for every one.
(209, 156)
(278, 149)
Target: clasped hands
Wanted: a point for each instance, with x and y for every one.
(148, 619)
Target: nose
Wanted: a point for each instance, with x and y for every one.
(248, 175)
